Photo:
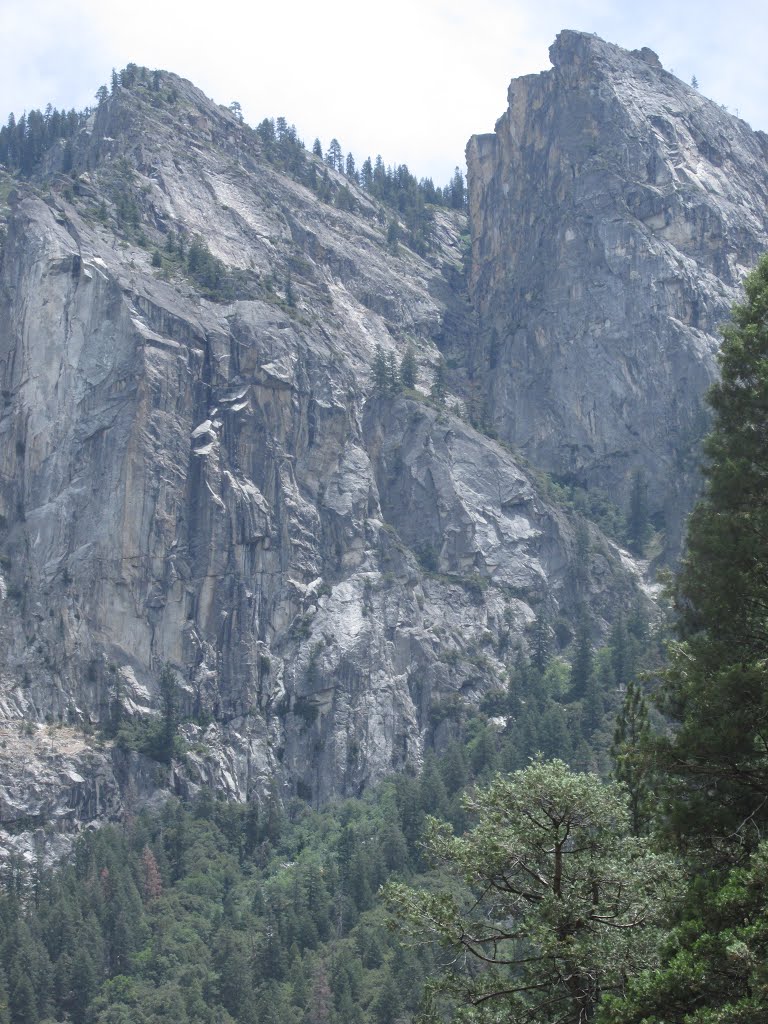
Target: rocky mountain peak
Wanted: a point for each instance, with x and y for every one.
(237, 549)
(614, 212)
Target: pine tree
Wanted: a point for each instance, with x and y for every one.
(630, 754)
(380, 372)
(622, 653)
(21, 1000)
(580, 565)
(716, 687)
(393, 378)
(388, 1002)
(169, 711)
(409, 368)
(439, 384)
(581, 667)
(541, 643)
(151, 883)
(334, 156)
(715, 693)
(366, 174)
(638, 527)
(393, 235)
(5, 1013)
(547, 899)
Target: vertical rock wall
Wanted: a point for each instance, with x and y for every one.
(614, 213)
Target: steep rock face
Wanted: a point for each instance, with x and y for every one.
(614, 213)
(207, 484)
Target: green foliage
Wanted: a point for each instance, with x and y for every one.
(440, 382)
(631, 756)
(592, 504)
(715, 969)
(583, 665)
(155, 737)
(715, 688)
(638, 526)
(715, 762)
(23, 143)
(541, 642)
(409, 368)
(547, 892)
(209, 273)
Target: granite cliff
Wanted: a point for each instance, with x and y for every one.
(207, 480)
(614, 214)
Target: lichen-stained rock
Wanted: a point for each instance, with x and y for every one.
(204, 481)
(614, 213)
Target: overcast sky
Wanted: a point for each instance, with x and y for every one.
(410, 79)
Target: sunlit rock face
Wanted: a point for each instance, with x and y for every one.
(614, 213)
(207, 481)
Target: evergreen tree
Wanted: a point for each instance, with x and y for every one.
(457, 191)
(454, 768)
(84, 982)
(393, 235)
(290, 295)
(631, 756)
(5, 1013)
(716, 686)
(433, 796)
(440, 382)
(21, 1000)
(393, 378)
(638, 527)
(623, 660)
(169, 712)
(582, 665)
(409, 368)
(151, 882)
(716, 759)
(559, 903)
(380, 372)
(541, 643)
(317, 148)
(387, 1005)
(334, 156)
(366, 174)
(580, 567)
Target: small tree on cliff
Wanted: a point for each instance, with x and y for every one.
(409, 368)
(169, 714)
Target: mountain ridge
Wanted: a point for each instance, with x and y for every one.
(199, 472)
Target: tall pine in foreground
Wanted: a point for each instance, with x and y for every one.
(716, 689)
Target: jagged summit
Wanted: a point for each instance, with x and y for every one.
(572, 47)
(615, 212)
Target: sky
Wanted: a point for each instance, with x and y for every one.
(409, 79)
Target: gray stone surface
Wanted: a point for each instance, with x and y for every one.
(211, 485)
(614, 213)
